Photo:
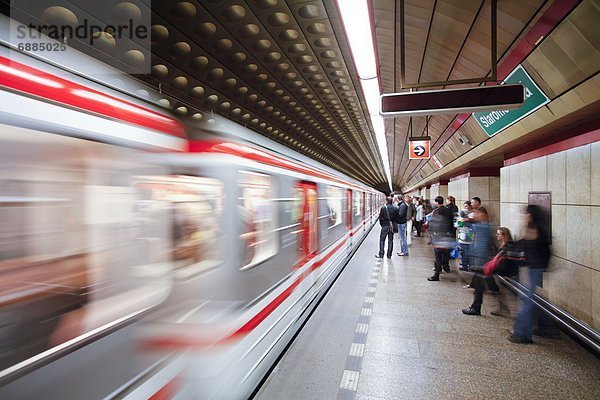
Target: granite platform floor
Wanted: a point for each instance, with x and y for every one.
(384, 332)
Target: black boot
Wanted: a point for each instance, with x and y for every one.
(472, 311)
(435, 277)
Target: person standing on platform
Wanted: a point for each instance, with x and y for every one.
(441, 228)
(402, 212)
(388, 216)
(476, 204)
(451, 205)
(411, 211)
(535, 249)
(419, 217)
(481, 253)
(466, 235)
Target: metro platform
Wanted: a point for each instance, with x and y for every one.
(384, 332)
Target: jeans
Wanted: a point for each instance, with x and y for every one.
(403, 243)
(523, 328)
(386, 232)
(465, 255)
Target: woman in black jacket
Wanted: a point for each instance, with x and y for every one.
(536, 254)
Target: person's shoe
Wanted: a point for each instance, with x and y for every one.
(471, 311)
(446, 269)
(467, 287)
(401, 254)
(433, 278)
(389, 256)
(378, 256)
(516, 339)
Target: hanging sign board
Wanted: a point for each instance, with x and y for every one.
(419, 148)
(452, 101)
(493, 122)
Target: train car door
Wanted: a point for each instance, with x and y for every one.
(349, 216)
(349, 209)
(364, 209)
(308, 223)
(308, 240)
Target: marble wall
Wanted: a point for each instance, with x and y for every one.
(438, 190)
(487, 188)
(573, 178)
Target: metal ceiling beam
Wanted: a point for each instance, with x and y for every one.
(493, 55)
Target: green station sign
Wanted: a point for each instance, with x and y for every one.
(493, 122)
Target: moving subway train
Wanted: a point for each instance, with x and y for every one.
(136, 264)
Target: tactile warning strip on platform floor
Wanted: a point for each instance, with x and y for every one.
(351, 375)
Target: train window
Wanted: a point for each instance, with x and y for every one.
(257, 211)
(196, 205)
(43, 265)
(358, 204)
(298, 204)
(334, 205)
(76, 251)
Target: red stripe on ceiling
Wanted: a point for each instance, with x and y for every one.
(577, 141)
(547, 22)
(32, 81)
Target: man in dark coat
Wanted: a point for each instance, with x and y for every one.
(388, 216)
(402, 213)
(441, 237)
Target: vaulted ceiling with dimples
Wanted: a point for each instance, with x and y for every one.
(272, 65)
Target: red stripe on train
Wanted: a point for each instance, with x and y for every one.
(168, 391)
(20, 77)
(250, 325)
(251, 153)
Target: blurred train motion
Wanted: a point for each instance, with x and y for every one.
(135, 264)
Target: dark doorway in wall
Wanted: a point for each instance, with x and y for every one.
(543, 200)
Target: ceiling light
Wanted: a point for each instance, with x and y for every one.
(356, 17)
(357, 23)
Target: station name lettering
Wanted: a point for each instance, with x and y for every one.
(489, 119)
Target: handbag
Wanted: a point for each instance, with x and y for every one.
(454, 253)
(490, 266)
(393, 226)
